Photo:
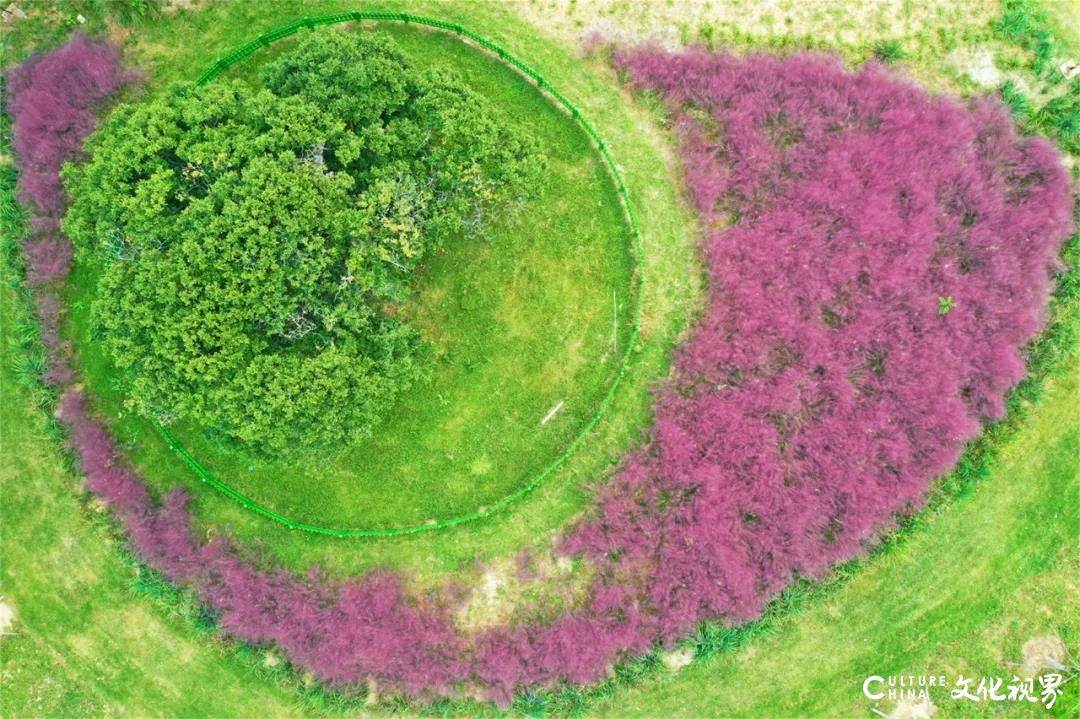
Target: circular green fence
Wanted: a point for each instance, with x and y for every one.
(240, 54)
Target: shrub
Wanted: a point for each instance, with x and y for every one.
(1026, 24)
(1060, 118)
(889, 51)
(248, 239)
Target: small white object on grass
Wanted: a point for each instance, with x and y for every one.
(81, 19)
(1070, 69)
(553, 412)
(7, 618)
(678, 659)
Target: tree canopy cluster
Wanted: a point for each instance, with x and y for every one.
(249, 238)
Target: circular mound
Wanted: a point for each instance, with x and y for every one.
(531, 329)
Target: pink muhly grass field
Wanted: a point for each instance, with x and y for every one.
(877, 259)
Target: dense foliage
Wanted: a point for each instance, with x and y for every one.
(248, 239)
(827, 383)
(52, 101)
(890, 256)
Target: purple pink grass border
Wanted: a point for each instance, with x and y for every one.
(826, 385)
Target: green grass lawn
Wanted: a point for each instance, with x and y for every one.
(85, 644)
(957, 593)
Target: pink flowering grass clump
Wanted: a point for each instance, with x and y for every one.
(48, 253)
(877, 260)
(53, 100)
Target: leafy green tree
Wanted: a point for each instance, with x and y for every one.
(248, 239)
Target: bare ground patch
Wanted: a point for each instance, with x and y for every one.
(528, 585)
(681, 22)
(7, 617)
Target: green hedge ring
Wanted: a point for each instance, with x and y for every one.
(310, 23)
